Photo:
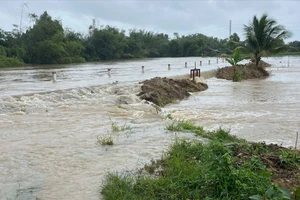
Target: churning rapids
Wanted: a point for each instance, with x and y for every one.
(48, 131)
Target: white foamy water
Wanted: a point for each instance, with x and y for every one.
(48, 131)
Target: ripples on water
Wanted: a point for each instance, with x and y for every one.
(48, 138)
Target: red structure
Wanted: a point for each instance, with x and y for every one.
(194, 72)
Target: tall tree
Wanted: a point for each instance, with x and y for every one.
(264, 36)
(44, 41)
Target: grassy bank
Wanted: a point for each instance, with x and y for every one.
(224, 168)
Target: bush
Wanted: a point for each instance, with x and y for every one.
(78, 60)
(10, 62)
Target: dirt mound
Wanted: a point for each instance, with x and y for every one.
(280, 161)
(162, 91)
(247, 71)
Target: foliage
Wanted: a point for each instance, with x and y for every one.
(264, 36)
(116, 128)
(235, 58)
(47, 42)
(105, 139)
(273, 193)
(220, 135)
(10, 62)
(180, 126)
(294, 46)
(224, 168)
(192, 170)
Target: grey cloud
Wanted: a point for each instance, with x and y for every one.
(210, 17)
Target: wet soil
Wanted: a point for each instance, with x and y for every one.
(282, 163)
(162, 91)
(247, 71)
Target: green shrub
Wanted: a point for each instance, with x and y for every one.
(78, 60)
(10, 62)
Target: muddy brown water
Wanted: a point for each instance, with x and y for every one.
(48, 132)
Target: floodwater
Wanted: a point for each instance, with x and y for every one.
(49, 131)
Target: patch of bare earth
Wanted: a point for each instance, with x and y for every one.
(247, 71)
(162, 91)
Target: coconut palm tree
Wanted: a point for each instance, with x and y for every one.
(264, 36)
(234, 60)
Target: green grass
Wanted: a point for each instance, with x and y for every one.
(181, 126)
(192, 171)
(220, 134)
(225, 168)
(105, 139)
(116, 128)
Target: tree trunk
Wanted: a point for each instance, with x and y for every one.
(257, 61)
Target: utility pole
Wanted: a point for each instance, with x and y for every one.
(229, 29)
(22, 9)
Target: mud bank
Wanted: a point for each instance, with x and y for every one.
(162, 91)
(247, 71)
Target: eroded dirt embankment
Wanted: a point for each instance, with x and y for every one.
(162, 91)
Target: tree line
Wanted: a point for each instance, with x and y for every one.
(47, 42)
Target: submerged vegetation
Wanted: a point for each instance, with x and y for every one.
(105, 139)
(224, 168)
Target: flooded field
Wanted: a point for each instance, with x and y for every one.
(49, 131)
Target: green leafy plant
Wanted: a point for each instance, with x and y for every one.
(234, 60)
(273, 193)
(297, 193)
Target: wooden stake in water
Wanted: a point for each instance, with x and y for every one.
(109, 72)
(143, 69)
(200, 63)
(185, 64)
(169, 66)
(208, 62)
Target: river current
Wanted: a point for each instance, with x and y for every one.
(49, 131)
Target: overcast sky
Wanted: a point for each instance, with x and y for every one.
(209, 17)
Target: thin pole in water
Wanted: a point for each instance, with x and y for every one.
(54, 77)
(296, 141)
